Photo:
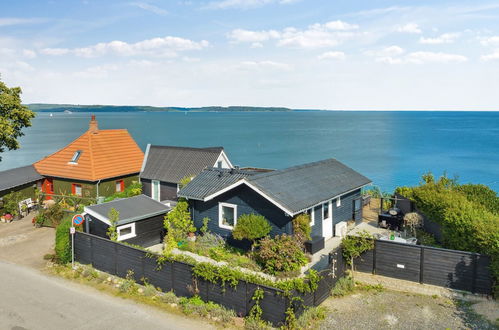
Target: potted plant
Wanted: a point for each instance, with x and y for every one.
(24, 209)
(191, 237)
(8, 217)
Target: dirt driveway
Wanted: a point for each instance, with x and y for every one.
(23, 244)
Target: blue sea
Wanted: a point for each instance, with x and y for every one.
(391, 148)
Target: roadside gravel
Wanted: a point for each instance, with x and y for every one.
(399, 310)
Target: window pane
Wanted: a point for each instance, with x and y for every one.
(78, 190)
(325, 210)
(118, 186)
(125, 231)
(228, 216)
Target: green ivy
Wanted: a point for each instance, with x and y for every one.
(257, 311)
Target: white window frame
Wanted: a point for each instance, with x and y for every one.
(311, 213)
(338, 202)
(118, 182)
(220, 215)
(153, 183)
(329, 209)
(78, 186)
(127, 236)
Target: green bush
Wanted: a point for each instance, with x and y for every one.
(63, 242)
(467, 215)
(11, 202)
(134, 189)
(280, 254)
(251, 227)
(178, 224)
(301, 227)
(344, 286)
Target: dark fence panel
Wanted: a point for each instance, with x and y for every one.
(399, 261)
(365, 263)
(129, 259)
(447, 268)
(118, 259)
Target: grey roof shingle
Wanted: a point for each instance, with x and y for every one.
(18, 176)
(172, 164)
(296, 188)
(300, 187)
(212, 180)
(131, 209)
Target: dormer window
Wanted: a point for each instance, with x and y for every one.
(76, 156)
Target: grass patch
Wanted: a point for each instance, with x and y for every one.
(472, 319)
(346, 286)
(146, 294)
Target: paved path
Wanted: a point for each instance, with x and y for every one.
(23, 244)
(31, 300)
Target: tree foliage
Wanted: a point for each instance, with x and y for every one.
(353, 246)
(251, 227)
(185, 180)
(113, 216)
(11, 202)
(13, 117)
(178, 224)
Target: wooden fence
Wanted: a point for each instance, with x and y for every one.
(117, 259)
(447, 268)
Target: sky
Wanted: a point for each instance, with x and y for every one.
(302, 54)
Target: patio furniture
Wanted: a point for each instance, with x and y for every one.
(315, 244)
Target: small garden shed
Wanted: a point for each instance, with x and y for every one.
(140, 220)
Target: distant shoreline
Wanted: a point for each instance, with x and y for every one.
(44, 107)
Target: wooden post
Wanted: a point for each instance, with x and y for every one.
(374, 256)
(475, 270)
(421, 266)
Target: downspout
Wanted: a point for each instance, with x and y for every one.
(97, 197)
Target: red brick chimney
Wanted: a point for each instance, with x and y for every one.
(93, 127)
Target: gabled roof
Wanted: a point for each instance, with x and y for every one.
(212, 180)
(172, 164)
(103, 154)
(294, 189)
(131, 209)
(19, 176)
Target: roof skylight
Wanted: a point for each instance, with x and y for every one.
(76, 156)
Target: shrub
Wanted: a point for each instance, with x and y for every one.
(251, 227)
(114, 217)
(53, 215)
(63, 242)
(280, 254)
(178, 224)
(134, 189)
(210, 240)
(344, 286)
(11, 202)
(467, 215)
(301, 227)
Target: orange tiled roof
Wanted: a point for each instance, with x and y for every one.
(104, 154)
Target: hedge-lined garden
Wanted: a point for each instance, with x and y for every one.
(468, 215)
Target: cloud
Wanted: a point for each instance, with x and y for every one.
(491, 57)
(316, 35)
(265, 65)
(409, 28)
(333, 55)
(387, 51)
(28, 53)
(245, 4)
(241, 35)
(422, 58)
(446, 38)
(151, 8)
(162, 47)
(490, 41)
(7, 21)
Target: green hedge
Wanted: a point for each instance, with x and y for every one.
(467, 214)
(63, 242)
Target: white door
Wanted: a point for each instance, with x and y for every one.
(327, 220)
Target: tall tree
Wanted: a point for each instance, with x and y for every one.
(13, 117)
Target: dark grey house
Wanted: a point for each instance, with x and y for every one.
(165, 166)
(328, 190)
(23, 179)
(140, 220)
